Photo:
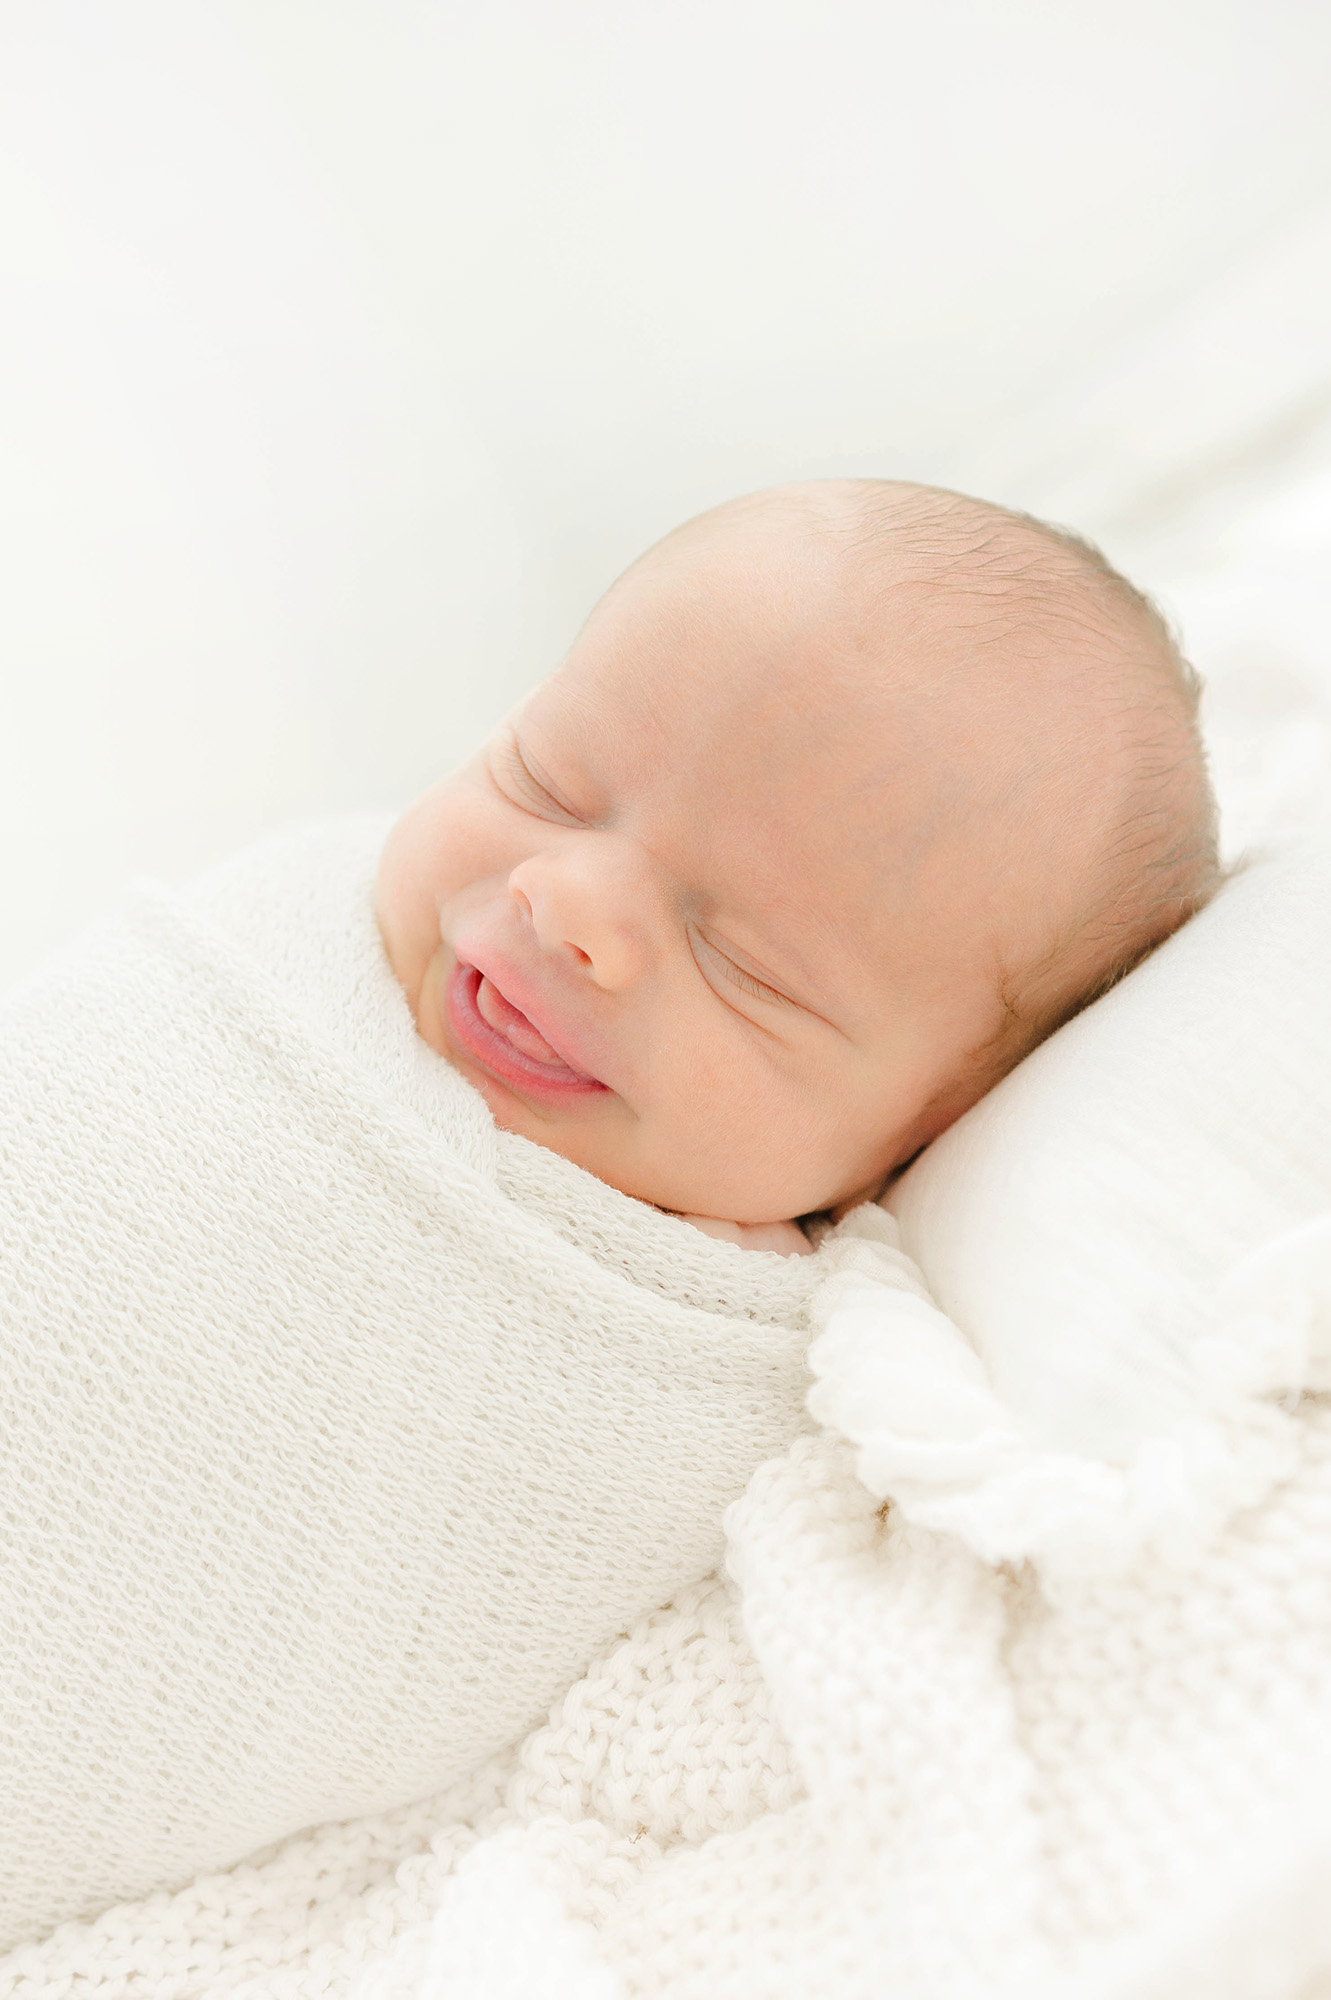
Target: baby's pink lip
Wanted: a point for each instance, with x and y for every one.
(526, 1074)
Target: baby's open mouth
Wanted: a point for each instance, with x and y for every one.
(501, 1038)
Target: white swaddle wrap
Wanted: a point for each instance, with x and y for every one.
(339, 1429)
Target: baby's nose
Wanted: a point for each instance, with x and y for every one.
(593, 901)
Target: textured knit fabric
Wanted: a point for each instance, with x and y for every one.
(340, 1430)
(860, 1762)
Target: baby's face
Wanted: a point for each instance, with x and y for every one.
(710, 914)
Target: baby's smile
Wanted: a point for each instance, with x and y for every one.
(733, 909)
(507, 1042)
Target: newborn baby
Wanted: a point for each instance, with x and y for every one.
(847, 794)
(351, 1423)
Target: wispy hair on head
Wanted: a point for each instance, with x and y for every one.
(1025, 577)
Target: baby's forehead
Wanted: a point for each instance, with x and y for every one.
(705, 658)
(940, 653)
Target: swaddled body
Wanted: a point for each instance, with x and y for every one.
(341, 1428)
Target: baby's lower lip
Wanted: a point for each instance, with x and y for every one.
(517, 1066)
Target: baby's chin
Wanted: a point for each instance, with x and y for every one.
(732, 1203)
(600, 1142)
(604, 1139)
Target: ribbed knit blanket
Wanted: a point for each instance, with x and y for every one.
(339, 1429)
(964, 1714)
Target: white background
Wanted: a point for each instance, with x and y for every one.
(349, 348)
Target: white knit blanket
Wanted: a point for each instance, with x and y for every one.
(861, 1762)
(340, 1430)
(860, 1759)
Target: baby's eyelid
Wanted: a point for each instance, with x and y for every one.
(530, 783)
(739, 977)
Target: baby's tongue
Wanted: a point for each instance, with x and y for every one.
(515, 1027)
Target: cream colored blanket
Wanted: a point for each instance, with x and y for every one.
(340, 1430)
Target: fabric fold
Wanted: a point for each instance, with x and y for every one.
(896, 1377)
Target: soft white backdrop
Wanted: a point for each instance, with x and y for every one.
(348, 348)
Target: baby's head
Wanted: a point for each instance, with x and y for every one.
(845, 796)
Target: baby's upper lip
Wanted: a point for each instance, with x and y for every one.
(509, 981)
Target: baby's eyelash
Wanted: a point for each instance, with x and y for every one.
(747, 982)
(532, 786)
(744, 980)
